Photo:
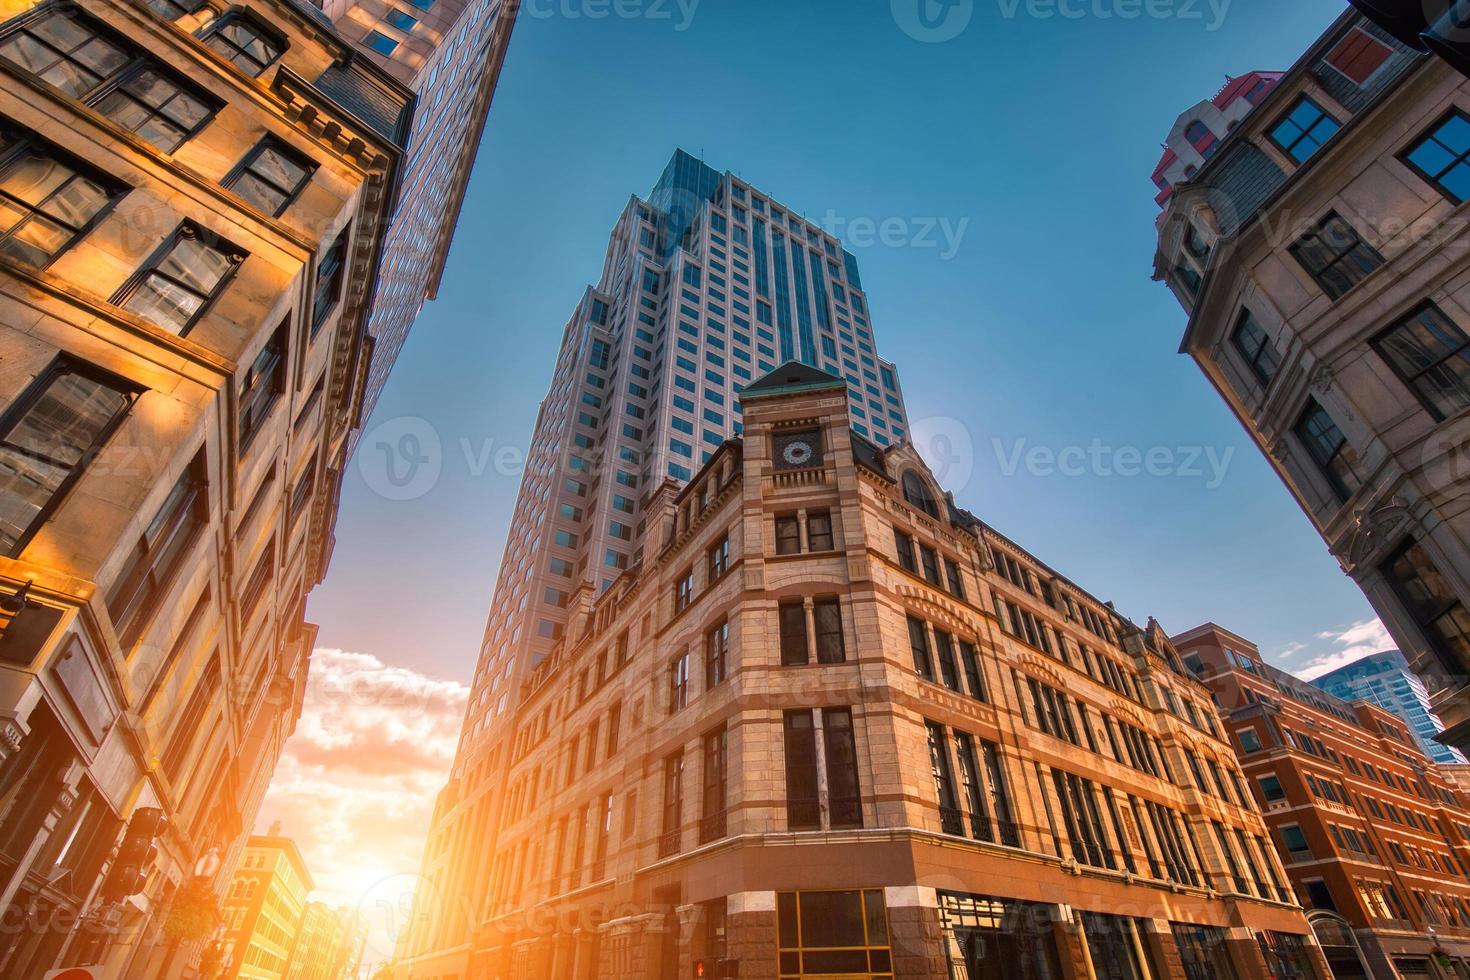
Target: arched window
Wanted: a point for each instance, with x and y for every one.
(917, 494)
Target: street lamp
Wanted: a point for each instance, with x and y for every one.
(1440, 27)
(208, 864)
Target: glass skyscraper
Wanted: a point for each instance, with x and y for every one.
(1385, 680)
(450, 53)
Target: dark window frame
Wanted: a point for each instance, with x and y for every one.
(24, 143)
(330, 280)
(291, 154)
(917, 495)
(819, 541)
(153, 566)
(1324, 233)
(137, 61)
(185, 7)
(717, 655)
(785, 524)
(1313, 448)
(1411, 381)
(31, 396)
(1424, 619)
(257, 404)
(787, 639)
(1253, 358)
(1427, 135)
(830, 642)
(185, 230)
(264, 33)
(1289, 149)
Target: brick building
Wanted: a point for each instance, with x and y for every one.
(1375, 839)
(826, 723)
(196, 194)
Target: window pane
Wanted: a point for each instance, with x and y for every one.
(65, 420)
(196, 265)
(26, 484)
(264, 196)
(274, 166)
(164, 303)
(49, 443)
(832, 919)
(1428, 351)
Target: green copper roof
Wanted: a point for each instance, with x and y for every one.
(789, 378)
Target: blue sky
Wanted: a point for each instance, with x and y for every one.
(1011, 164)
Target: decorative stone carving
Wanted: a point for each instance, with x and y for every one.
(10, 739)
(1322, 379)
(1373, 531)
(66, 798)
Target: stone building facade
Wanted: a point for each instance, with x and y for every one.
(195, 197)
(1376, 840)
(708, 283)
(829, 724)
(1320, 253)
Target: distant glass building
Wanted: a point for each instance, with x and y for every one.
(1385, 680)
(450, 52)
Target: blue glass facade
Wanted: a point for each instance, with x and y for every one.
(1385, 680)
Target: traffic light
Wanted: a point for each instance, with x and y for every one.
(1438, 26)
(135, 855)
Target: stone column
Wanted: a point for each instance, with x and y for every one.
(915, 933)
(750, 932)
(1246, 956)
(562, 953)
(1072, 951)
(1158, 937)
(809, 612)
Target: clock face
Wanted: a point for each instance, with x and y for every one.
(798, 450)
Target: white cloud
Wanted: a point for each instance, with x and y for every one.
(1343, 647)
(356, 783)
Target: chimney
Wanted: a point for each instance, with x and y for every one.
(275, 830)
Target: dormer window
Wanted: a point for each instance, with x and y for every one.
(1304, 130)
(1202, 138)
(1194, 242)
(917, 494)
